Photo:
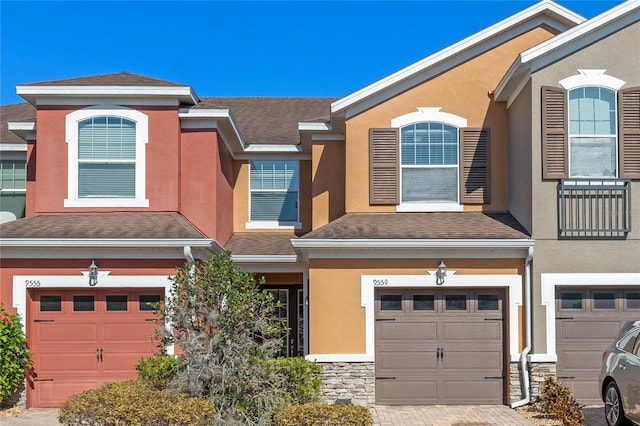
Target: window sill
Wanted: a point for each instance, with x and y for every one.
(106, 202)
(429, 207)
(273, 225)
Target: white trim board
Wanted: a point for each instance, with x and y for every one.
(549, 282)
(512, 282)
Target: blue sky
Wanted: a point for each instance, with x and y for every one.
(242, 48)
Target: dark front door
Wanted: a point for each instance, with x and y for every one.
(291, 309)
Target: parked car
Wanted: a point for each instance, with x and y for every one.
(620, 377)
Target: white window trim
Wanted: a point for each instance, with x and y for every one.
(549, 282)
(433, 115)
(592, 77)
(273, 224)
(512, 282)
(142, 138)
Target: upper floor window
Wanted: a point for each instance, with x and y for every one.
(429, 163)
(107, 157)
(273, 187)
(593, 133)
(13, 184)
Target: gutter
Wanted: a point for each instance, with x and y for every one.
(524, 370)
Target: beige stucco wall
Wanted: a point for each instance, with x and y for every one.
(336, 318)
(620, 56)
(464, 91)
(328, 177)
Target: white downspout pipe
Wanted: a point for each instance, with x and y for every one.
(188, 255)
(524, 371)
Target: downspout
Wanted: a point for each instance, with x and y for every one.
(524, 371)
(170, 349)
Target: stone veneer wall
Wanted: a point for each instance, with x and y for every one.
(349, 380)
(537, 373)
(18, 399)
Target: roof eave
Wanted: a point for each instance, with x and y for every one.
(109, 243)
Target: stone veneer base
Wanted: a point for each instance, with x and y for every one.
(354, 381)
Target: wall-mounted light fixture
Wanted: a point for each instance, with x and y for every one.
(441, 273)
(93, 273)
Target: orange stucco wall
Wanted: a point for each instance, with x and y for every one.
(241, 198)
(328, 180)
(162, 152)
(336, 318)
(465, 91)
(206, 178)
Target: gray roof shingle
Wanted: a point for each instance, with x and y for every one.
(442, 225)
(261, 244)
(15, 112)
(102, 226)
(113, 79)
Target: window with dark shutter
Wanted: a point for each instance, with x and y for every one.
(629, 108)
(474, 170)
(554, 133)
(383, 167)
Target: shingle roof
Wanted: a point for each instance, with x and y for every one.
(271, 119)
(102, 226)
(261, 244)
(15, 112)
(113, 79)
(445, 225)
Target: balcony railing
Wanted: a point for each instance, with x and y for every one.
(594, 208)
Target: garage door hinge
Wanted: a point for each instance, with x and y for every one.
(561, 318)
(494, 377)
(493, 319)
(43, 380)
(566, 377)
(385, 319)
(385, 378)
(43, 320)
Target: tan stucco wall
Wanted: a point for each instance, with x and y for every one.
(336, 318)
(241, 198)
(464, 91)
(328, 177)
(616, 55)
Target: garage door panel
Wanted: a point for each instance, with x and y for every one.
(53, 393)
(472, 331)
(410, 392)
(472, 391)
(392, 331)
(489, 361)
(64, 363)
(129, 332)
(599, 329)
(66, 332)
(406, 360)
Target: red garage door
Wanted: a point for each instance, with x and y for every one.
(83, 338)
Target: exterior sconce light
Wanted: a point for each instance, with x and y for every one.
(441, 273)
(93, 273)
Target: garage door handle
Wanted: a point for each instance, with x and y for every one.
(99, 354)
(385, 378)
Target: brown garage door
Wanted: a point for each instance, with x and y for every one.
(81, 339)
(587, 321)
(439, 347)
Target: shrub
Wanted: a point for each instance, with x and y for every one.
(134, 402)
(317, 414)
(303, 379)
(157, 370)
(15, 358)
(556, 400)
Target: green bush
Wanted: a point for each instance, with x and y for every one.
(134, 403)
(303, 379)
(15, 358)
(556, 400)
(157, 370)
(317, 414)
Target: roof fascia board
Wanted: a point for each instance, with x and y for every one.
(457, 53)
(104, 252)
(25, 129)
(264, 259)
(45, 94)
(564, 44)
(274, 155)
(17, 148)
(220, 119)
(413, 243)
(314, 126)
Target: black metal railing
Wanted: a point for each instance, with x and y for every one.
(594, 208)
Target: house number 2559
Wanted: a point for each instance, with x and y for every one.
(32, 283)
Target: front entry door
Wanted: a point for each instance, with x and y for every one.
(291, 309)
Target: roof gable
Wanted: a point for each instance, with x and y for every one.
(123, 78)
(565, 44)
(545, 12)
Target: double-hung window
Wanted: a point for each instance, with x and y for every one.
(107, 157)
(274, 193)
(593, 133)
(429, 163)
(13, 180)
